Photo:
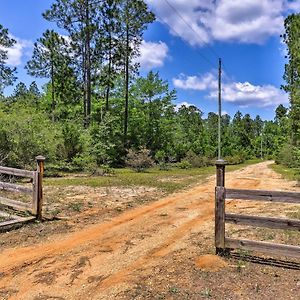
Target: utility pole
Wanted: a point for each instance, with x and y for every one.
(220, 110)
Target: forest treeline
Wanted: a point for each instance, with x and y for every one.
(97, 110)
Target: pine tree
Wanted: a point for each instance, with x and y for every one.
(7, 76)
(81, 19)
(292, 72)
(20, 90)
(50, 59)
(135, 19)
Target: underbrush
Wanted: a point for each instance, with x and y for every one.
(286, 172)
(167, 180)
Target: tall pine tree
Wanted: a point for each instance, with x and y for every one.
(7, 76)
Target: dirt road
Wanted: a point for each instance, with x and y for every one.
(109, 260)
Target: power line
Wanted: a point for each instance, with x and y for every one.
(187, 24)
(174, 30)
(204, 42)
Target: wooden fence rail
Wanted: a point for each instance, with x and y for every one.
(36, 192)
(224, 244)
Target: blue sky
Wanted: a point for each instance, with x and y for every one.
(184, 45)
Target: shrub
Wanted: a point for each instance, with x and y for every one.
(139, 160)
(289, 156)
(235, 159)
(197, 161)
(184, 164)
(160, 156)
(73, 143)
(103, 170)
(24, 135)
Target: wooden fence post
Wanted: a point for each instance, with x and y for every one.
(40, 173)
(220, 208)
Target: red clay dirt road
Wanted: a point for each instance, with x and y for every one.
(103, 260)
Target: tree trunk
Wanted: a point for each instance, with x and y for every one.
(126, 87)
(87, 66)
(52, 91)
(109, 75)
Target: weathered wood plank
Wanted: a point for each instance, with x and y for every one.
(15, 188)
(220, 217)
(261, 195)
(10, 216)
(14, 222)
(273, 223)
(16, 172)
(15, 204)
(264, 247)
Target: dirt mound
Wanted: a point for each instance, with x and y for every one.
(210, 263)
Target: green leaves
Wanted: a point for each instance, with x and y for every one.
(292, 73)
(7, 76)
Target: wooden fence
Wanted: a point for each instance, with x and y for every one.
(224, 244)
(36, 192)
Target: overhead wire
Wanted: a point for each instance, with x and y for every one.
(188, 25)
(198, 35)
(177, 33)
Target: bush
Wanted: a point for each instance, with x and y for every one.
(235, 159)
(163, 166)
(184, 164)
(289, 156)
(103, 170)
(139, 160)
(73, 143)
(24, 135)
(197, 161)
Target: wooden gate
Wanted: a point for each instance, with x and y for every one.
(224, 244)
(36, 192)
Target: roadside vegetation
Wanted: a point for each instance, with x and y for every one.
(286, 172)
(167, 181)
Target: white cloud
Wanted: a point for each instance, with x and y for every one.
(204, 82)
(16, 53)
(243, 94)
(152, 55)
(247, 21)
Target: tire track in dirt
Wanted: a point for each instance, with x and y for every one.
(88, 263)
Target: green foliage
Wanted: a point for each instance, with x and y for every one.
(289, 156)
(73, 142)
(105, 141)
(184, 164)
(197, 161)
(24, 135)
(292, 73)
(6, 73)
(235, 159)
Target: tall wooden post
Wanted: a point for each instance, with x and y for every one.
(220, 208)
(40, 160)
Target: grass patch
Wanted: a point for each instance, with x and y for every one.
(166, 180)
(295, 214)
(287, 173)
